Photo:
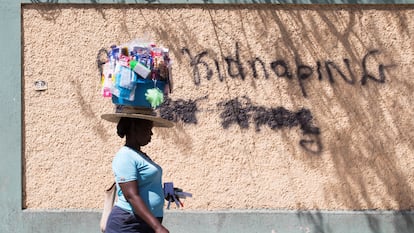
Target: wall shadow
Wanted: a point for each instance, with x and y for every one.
(356, 166)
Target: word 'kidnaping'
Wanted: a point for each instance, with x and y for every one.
(236, 68)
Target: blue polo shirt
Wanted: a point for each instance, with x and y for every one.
(129, 165)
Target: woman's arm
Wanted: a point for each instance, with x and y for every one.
(131, 193)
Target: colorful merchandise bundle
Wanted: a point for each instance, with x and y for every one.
(137, 74)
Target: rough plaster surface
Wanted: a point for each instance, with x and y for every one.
(362, 158)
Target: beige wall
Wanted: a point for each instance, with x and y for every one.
(362, 158)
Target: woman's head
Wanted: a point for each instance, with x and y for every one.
(138, 132)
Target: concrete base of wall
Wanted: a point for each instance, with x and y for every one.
(65, 221)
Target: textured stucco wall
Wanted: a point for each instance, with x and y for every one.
(332, 143)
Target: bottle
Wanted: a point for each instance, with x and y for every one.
(106, 81)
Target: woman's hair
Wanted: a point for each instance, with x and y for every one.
(125, 123)
(123, 126)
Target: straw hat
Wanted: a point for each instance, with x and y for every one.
(137, 112)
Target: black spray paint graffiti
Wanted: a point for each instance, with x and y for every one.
(180, 110)
(236, 112)
(101, 59)
(236, 69)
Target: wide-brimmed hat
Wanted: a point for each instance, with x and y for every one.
(137, 112)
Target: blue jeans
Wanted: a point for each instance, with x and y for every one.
(121, 221)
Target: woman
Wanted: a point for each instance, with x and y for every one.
(140, 203)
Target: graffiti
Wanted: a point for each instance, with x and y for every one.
(180, 110)
(236, 112)
(242, 113)
(235, 61)
(281, 68)
(196, 62)
(367, 76)
(101, 59)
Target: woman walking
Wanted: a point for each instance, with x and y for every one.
(140, 204)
